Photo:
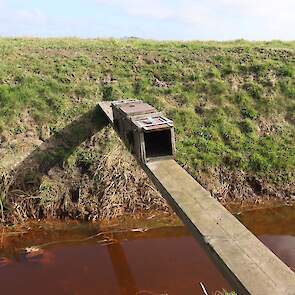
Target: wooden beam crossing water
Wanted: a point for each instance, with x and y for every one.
(256, 269)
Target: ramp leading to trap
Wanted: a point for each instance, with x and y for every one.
(234, 247)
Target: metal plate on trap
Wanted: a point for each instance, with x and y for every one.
(153, 122)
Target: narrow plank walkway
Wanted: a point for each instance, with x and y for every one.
(254, 265)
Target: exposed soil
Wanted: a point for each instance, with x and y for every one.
(244, 190)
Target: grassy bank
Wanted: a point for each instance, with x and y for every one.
(233, 105)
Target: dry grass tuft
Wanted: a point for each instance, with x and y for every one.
(123, 185)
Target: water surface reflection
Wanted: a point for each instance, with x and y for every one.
(276, 229)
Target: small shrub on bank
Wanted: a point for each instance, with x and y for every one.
(288, 87)
(254, 89)
(217, 87)
(286, 70)
(247, 126)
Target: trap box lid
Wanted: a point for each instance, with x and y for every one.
(133, 107)
(142, 115)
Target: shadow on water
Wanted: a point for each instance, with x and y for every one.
(125, 279)
(65, 236)
(83, 259)
(56, 150)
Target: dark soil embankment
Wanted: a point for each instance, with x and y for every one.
(232, 103)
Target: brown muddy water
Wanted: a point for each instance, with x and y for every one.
(148, 256)
(86, 259)
(276, 229)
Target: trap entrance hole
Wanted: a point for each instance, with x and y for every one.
(158, 143)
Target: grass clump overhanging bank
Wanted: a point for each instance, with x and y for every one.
(233, 105)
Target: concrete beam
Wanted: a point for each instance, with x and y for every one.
(257, 269)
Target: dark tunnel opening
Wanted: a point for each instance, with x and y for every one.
(158, 143)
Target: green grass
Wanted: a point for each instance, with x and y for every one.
(233, 103)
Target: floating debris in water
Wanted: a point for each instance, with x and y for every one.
(32, 249)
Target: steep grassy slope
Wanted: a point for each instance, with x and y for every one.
(233, 103)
